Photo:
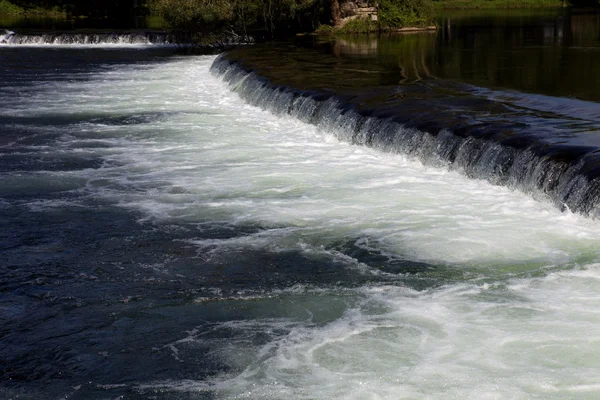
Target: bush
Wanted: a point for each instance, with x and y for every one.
(275, 18)
(359, 25)
(6, 7)
(194, 22)
(405, 13)
(194, 15)
(325, 30)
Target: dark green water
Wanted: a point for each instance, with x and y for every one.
(549, 51)
(161, 237)
(552, 52)
(525, 80)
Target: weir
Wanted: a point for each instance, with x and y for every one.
(5, 37)
(495, 142)
(126, 38)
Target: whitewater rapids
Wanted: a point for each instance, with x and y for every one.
(501, 301)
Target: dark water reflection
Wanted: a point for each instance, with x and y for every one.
(526, 81)
(550, 52)
(474, 69)
(93, 301)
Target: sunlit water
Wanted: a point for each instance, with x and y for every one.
(161, 237)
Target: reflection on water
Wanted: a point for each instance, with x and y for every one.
(549, 52)
(451, 85)
(413, 53)
(160, 238)
(356, 45)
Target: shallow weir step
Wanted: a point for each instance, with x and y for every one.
(510, 154)
(13, 38)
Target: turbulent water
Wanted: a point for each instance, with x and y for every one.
(543, 145)
(86, 39)
(163, 238)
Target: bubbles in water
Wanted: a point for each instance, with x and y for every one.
(86, 39)
(511, 313)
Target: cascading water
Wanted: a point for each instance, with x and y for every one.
(160, 237)
(6, 37)
(136, 38)
(510, 154)
(107, 39)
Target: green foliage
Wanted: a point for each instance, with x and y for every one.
(194, 15)
(406, 13)
(6, 7)
(277, 16)
(25, 8)
(241, 16)
(392, 14)
(359, 25)
(354, 26)
(499, 4)
(195, 22)
(325, 29)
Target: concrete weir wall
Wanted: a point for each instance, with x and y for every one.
(353, 9)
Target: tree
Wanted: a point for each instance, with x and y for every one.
(336, 14)
(195, 22)
(205, 20)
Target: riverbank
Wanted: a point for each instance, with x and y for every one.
(367, 28)
(162, 235)
(497, 4)
(8, 8)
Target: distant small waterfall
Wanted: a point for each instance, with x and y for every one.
(6, 36)
(569, 176)
(132, 38)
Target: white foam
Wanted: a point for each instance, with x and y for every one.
(210, 157)
(530, 338)
(6, 36)
(133, 39)
(525, 326)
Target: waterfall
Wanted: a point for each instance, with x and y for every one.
(136, 38)
(510, 155)
(6, 36)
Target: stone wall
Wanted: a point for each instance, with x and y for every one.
(353, 9)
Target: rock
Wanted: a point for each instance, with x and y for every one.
(352, 9)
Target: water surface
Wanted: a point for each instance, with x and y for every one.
(160, 237)
(450, 97)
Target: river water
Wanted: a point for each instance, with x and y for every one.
(163, 237)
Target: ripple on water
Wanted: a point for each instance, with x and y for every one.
(221, 251)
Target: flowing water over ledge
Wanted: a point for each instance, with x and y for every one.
(160, 237)
(11, 38)
(546, 146)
